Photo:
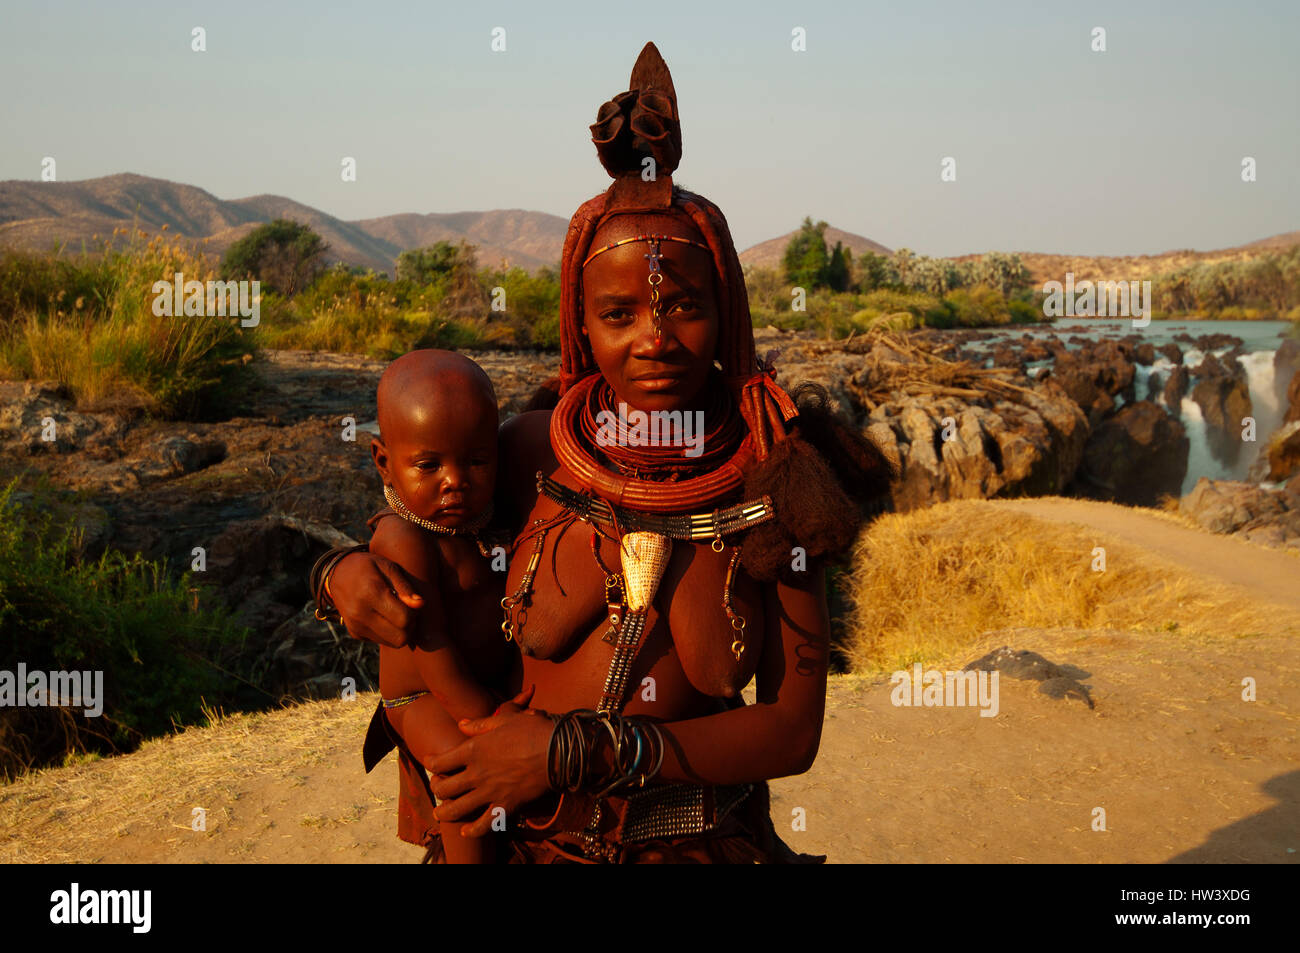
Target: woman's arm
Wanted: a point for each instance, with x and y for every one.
(778, 735)
(504, 762)
(376, 598)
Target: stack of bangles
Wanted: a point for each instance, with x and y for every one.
(637, 744)
(319, 580)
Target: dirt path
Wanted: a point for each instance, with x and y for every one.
(1270, 574)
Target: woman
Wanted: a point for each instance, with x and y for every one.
(671, 764)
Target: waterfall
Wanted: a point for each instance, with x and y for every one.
(1265, 406)
(1200, 462)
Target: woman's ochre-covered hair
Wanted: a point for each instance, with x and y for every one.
(804, 456)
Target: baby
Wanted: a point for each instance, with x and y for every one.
(437, 454)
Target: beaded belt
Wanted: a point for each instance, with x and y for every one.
(688, 526)
(674, 810)
(662, 811)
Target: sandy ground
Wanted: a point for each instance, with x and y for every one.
(1183, 767)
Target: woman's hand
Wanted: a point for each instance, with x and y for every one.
(376, 598)
(502, 764)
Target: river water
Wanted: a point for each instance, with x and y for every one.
(1260, 340)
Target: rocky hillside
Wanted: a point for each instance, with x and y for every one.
(36, 215)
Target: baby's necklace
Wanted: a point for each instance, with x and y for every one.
(469, 529)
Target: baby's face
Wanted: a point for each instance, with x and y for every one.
(442, 461)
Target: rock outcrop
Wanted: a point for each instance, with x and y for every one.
(1269, 517)
(1176, 387)
(1094, 375)
(1280, 459)
(1135, 457)
(1223, 394)
(959, 432)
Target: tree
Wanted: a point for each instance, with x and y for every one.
(1004, 272)
(874, 271)
(283, 255)
(806, 261)
(837, 269)
(902, 262)
(930, 275)
(426, 265)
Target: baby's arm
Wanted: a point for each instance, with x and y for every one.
(429, 731)
(428, 725)
(432, 652)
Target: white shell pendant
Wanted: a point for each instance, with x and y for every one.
(644, 557)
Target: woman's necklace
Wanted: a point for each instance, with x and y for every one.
(653, 496)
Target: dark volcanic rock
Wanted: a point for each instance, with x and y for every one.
(1224, 397)
(1172, 352)
(1286, 377)
(1057, 681)
(1035, 351)
(41, 419)
(1176, 387)
(1006, 356)
(1217, 341)
(1027, 440)
(1094, 375)
(1135, 457)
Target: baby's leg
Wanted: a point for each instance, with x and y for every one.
(429, 731)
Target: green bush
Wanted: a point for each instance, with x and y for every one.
(978, 307)
(160, 649)
(284, 256)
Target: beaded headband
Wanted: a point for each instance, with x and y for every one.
(647, 238)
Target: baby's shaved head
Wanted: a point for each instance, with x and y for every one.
(423, 384)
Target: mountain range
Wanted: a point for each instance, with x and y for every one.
(37, 215)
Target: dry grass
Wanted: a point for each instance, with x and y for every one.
(60, 815)
(930, 583)
(110, 348)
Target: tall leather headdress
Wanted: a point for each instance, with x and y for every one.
(642, 123)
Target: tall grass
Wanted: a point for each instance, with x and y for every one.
(161, 649)
(381, 317)
(89, 323)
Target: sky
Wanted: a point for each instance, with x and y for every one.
(1057, 147)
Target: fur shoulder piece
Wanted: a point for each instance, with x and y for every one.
(825, 479)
